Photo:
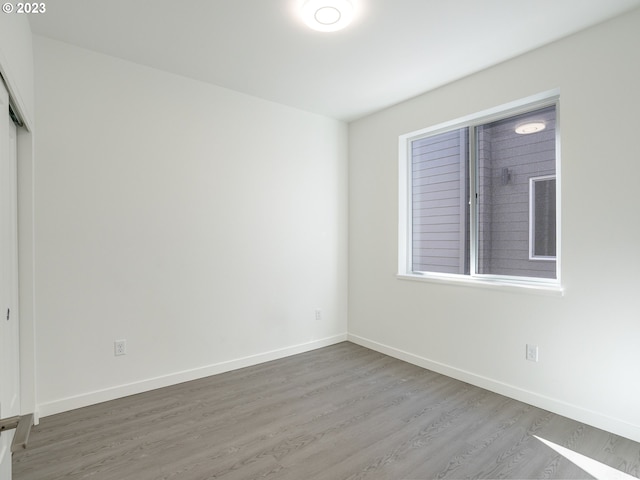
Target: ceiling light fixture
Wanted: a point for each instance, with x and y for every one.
(530, 127)
(327, 15)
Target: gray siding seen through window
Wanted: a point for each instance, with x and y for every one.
(506, 163)
(440, 209)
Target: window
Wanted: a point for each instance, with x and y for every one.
(478, 197)
(542, 218)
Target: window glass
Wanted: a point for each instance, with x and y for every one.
(440, 189)
(506, 162)
(508, 229)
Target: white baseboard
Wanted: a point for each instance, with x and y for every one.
(91, 398)
(580, 414)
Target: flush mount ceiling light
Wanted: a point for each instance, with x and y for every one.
(327, 15)
(530, 127)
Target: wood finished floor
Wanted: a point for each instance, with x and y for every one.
(341, 412)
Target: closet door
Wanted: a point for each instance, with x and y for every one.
(9, 320)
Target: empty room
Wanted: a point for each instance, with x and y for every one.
(319, 239)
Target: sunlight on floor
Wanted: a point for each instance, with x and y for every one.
(589, 465)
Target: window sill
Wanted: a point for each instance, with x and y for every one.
(540, 288)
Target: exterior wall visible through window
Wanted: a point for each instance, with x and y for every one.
(506, 163)
(481, 197)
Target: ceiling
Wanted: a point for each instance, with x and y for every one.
(393, 50)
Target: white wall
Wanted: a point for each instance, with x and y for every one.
(589, 339)
(202, 225)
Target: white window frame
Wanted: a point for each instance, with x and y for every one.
(532, 284)
(532, 217)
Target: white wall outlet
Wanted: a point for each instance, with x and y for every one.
(120, 347)
(318, 314)
(532, 353)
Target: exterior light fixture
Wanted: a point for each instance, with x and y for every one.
(327, 15)
(530, 127)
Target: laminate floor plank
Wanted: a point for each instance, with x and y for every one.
(341, 412)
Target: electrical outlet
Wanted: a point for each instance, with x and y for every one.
(532, 353)
(318, 314)
(120, 347)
